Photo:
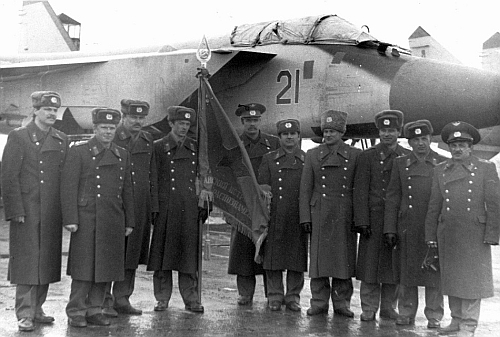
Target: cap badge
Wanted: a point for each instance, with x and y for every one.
(109, 117)
(139, 109)
(418, 131)
(187, 115)
(457, 134)
(253, 112)
(387, 122)
(288, 125)
(53, 100)
(456, 123)
(329, 119)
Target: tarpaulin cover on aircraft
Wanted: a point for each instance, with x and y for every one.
(309, 30)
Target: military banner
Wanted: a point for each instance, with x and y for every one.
(235, 189)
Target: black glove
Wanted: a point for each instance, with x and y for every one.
(154, 217)
(202, 214)
(307, 227)
(391, 240)
(365, 231)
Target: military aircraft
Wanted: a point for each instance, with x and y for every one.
(296, 68)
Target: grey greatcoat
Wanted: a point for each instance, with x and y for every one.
(174, 245)
(464, 211)
(326, 201)
(142, 160)
(405, 210)
(96, 194)
(31, 172)
(373, 173)
(286, 242)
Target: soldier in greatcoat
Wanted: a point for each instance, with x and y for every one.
(286, 242)
(31, 170)
(139, 144)
(463, 222)
(242, 249)
(98, 210)
(174, 245)
(326, 206)
(374, 265)
(404, 225)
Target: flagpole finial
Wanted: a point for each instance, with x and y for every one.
(203, 54)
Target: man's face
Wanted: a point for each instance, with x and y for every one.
(420, 145)
(289, 140)
(332, 136)
(251, 126)
(133, 123)
(180, 128)
(105, 132)
(389, 136)
(46, 115)
(460, 150)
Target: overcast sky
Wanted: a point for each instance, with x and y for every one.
(461, 26)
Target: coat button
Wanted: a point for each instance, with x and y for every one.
(324, 194)
(323, 177)
(470, 191)
(98, 186)
(447, 200)
(171, 162)
(172, 170)
(446, 191)
(98, 177)
(470, 181)
(173, 188)
(98, 195)
(410, 206)
(324, 186)
(41, 182)
(468, 209)
(279, 179)
(409, 197)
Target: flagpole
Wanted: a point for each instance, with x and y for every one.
(204, 180)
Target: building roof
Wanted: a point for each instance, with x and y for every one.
(492, 42)
(419, 32)
(66, 19)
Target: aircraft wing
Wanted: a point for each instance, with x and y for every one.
(20, 70)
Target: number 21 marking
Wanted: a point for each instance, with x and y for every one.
(288, 85)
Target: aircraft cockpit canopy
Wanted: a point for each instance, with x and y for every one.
(324, 29)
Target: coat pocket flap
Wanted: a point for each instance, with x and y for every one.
(314, 199)
(481, 218)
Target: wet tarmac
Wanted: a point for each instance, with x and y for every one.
(222, 317)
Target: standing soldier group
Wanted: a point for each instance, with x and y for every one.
(423, 220)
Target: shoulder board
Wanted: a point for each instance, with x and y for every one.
(481, 160)
(80, 142)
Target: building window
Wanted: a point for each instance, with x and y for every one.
(423, 53)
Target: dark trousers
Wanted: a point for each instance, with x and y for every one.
(340, 291)
(86, 298)
(246, 284)
(118, 293)
(374, 294)
(408, 302)
(188, 286)
(275, 288)
(465, 312)
(29, 300)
